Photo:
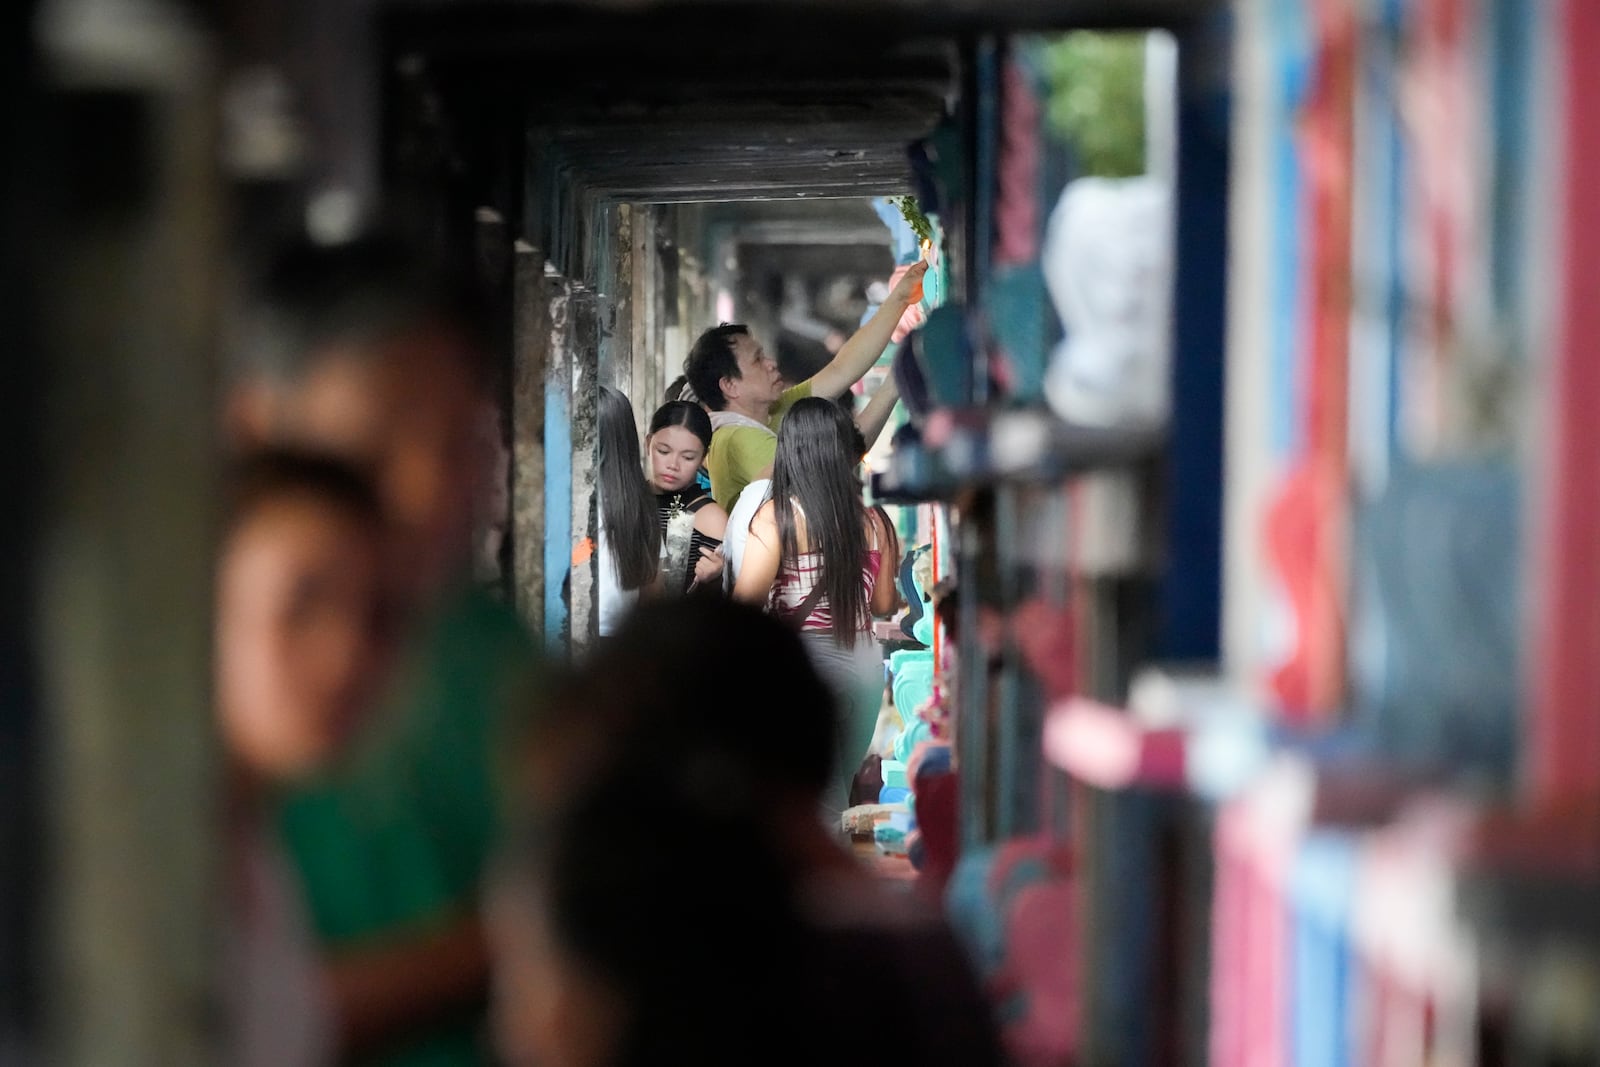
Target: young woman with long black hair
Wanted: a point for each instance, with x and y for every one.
(630, 535)
(820, 559)
(692, 525)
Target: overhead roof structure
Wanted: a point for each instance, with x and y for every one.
(723, 101)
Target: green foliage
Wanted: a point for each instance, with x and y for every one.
(911, 211)
(1097, 99)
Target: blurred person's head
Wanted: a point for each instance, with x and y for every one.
(633, 531)
(367, 351)
(300, 641)
(649, 922)
(653, 915)
(680, 437)
(769, 728)
(814, 480)
(730, 371)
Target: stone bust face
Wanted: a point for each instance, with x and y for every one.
(1108, 267)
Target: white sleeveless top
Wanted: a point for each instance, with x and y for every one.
(615, 601)
(744, 512)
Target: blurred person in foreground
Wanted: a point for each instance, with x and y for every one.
(301, 647)
(364, 351)
(675, 898)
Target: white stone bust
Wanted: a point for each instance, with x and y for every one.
(1108, 267)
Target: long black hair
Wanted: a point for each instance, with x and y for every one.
(691, 417)
(814, 471)
(633, 530)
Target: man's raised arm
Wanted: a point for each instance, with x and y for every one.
(859, 353)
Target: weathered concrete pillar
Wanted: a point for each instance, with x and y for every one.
(123, 590)
(542, 449)
(555, 442)
(530, 344)
(556, 370)
(695, 299)
(674, 343)
(649, 378)
(583, 356)
(616, 293)
(660, 317)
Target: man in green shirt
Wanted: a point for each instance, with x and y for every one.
(740, 384)
(363, 352)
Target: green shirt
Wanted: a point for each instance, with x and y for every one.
(739, 454)
(398, 841)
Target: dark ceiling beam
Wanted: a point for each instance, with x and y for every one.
(731, 143)
(737, 36)
(574, 77)
(676, 109)
(626, 57)
(751, 192)
(741, 215)
(763, 119)
(686, 177)
(691, 167)
(878, 23)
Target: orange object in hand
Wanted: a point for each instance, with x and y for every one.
(913, 316)
(928, 258)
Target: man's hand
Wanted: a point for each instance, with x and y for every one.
(913, 316)
(908, 290)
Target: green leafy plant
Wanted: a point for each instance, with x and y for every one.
(911, 211)
(1097, 100)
